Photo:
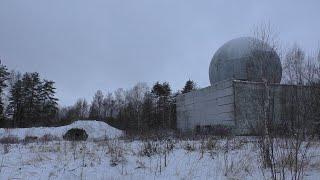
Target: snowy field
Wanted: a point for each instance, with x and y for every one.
(116, 157)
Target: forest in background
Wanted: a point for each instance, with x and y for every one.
(27, 100)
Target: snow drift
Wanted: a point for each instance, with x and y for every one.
(96, 130)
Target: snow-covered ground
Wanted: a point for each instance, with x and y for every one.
(118, 158)
(96, 130)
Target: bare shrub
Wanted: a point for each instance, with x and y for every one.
(140, 164)
(170, 145)
(160, 149)
(9, 140)
(210, 145)
(190, 147)
(48, 137)
(30, 139)
(287, 158)
(117, 152)
(6, 148)
(237, 167)
(238, 143)
(149, 148)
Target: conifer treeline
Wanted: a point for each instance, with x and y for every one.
(31, 100)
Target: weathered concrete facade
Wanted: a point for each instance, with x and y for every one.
(240, 105)
(287, 104)
(213, 105)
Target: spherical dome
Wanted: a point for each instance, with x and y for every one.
(246, 59)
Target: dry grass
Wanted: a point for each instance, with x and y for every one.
(232, 158)
(116, 150)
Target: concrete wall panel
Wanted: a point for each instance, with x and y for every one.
(209, 106)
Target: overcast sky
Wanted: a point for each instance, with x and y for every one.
(86, 45)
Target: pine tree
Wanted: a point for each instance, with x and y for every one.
(148, 112)
(32, 101)
(31, 89)
(3, 78)
(162, 93)
(49, 103)
(16, 104)
(189, 86)
(161, 90)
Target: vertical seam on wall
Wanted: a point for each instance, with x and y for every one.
(234, 104)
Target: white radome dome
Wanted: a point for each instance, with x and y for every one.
(245, 58)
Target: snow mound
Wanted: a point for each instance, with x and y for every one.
(96, 130)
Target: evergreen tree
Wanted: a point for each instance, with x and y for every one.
(49, 102)
(31, 89)
(189, 86)
(16, 104)
(32, 101)
(161, 90)
(3, 78)
(162, 94)
(148, 112)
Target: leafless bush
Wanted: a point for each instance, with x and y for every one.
(30, 139)
(140, 164)
(9, 140)
(117, 152)
(238, 143)
(286, 157)
(170, 145)
(149, 148)
(209, 145)
(237, 167)
(189, 146)
(48, 137)
(161, 149)
(6, 148)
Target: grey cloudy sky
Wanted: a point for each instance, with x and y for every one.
(85, 45)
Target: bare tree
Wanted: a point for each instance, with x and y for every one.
(120, 99)
(294, 66)
(135, 98)
(96, 109)
(269, 40)
(298, 104)
(82, 109)
(109, 104)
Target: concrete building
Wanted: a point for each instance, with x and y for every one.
(236, 95)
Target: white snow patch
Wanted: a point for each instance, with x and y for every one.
(95, 129)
